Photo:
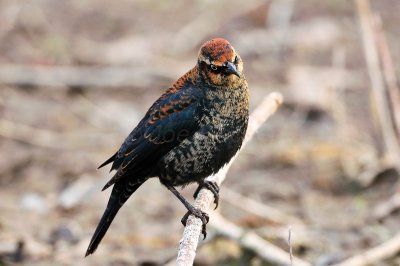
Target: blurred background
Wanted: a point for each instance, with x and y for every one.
(76, 76)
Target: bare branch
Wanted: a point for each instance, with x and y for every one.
(189, 242)
(374, 255)
(378, 87)
(28, 134)
(388, 69)
(181, 41)
(80, 76)
(259, 209)
(385, 208)
(44, 138)
(290, 245)
(268, 252)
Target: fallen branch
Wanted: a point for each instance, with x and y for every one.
(290, 245)
(388, 69)
(392, 146)
(27, 134)
(189, 242)
(374, 255)
(80, 76)
(258, 209)
(384, 209)
(389, 73)
(44, 138)
(184, 40)
(265, 250)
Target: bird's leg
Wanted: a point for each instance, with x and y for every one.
(212, 186)
(191, 210)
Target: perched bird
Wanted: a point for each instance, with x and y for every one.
(189, 133)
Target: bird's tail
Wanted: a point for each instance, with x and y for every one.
(121, 192)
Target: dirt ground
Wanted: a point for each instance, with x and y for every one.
(321, 159)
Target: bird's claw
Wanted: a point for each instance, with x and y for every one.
(199, 214)
(211, 186)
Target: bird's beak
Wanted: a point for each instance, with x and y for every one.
(231, 69)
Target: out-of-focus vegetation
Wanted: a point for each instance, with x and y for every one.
(76, 76)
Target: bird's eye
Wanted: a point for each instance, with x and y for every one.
(236, 59)
(213, 67)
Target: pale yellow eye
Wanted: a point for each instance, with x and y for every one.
(213, 67)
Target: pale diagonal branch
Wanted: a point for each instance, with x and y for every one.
(250, 240)
(374, 255)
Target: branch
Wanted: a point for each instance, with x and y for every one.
(388, 69)
(188, 244)
(268, 252)
(80, 76)
(31, 135)
(392, 146)
(44, 138)
(374, 255)
(181, 41)
(258, 209)
(384, 209)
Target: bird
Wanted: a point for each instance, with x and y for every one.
(190, 132)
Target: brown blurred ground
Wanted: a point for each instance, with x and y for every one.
(319, 158)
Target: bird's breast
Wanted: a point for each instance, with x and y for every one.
(222, 128)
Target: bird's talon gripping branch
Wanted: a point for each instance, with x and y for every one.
(211, 186)
(199, 214)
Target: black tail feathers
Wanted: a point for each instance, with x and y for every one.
(121, 192)
(102, 228)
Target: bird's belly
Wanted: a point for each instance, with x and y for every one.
(198, 157)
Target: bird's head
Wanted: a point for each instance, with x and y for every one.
(219, 64)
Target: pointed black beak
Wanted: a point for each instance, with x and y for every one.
(231, 69)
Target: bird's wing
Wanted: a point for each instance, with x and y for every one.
(169, 121)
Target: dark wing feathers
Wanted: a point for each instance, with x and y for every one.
(169, 121)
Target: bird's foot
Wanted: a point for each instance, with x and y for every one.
(199, 214)
(213, 187)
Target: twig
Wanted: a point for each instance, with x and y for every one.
(188, 245)
(389, 73)
(290, 245)
(184, 40)
(265, 250)
(80, 76)
(378, 88)
(278, 17)
(374, 255)
(44, 138)
(31, 135)
(78, 191)
(388, 70)
(384, 209)
(258, 209)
